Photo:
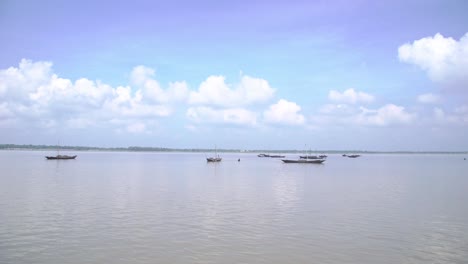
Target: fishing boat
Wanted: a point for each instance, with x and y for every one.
(61, 157)
(216, 158)
(353, 156)
(262, 155)
(276, 156)
(315, 161)
(310, 157)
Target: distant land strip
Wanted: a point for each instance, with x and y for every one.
(160, 149)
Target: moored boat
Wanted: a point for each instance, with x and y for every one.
(310, 157)
(315, 161)
(213, 159)
(60, 157)
(216, 157)
(277, 156)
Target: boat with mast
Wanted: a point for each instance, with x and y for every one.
(307, 159)
(216, 158)
(60, 157)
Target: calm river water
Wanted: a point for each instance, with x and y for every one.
(111, 207)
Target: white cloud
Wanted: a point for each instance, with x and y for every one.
(16, 83)
(236, 116)
(444, 59)
(34, 96)
(428, 98)
(284, 112)
(350, 96)
(125, 103)
(215, 91)
(386, 115)
(143, 77)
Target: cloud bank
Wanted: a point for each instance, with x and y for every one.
(32, 95)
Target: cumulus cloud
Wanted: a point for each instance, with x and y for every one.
(215, 91)
(34, 94)
(386, 115)
(444, 59)
(284, 112)
(428, 98)
(235, 116)
(143, 77)
(16, 83)
(350, 96)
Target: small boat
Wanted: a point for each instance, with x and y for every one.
(60, 157)
(276, 156)
(310, 157)
(213, 159)
(323, 156)
(263, 155)
(353, 156)
(216, 158)
(315, 161)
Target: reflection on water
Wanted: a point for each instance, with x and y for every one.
(176, 208)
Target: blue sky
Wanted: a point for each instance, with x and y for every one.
(239, 74)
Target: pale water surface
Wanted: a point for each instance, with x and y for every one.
(107, 207)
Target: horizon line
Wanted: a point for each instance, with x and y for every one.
(168, 149)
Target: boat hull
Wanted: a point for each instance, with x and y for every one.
(304, 161)
(60, 157)
(213, 159)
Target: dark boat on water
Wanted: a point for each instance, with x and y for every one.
(313, 157)
(60, 157)
(315, 161)
(270, 156)
(216, 157)
(276, 156)
(309, 157)
(351, 156)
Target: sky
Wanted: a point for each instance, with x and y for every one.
(321, 75)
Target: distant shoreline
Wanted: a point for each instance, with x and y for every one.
(159, 149)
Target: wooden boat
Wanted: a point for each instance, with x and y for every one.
(213, 159)
(216, 158)
(276, 156)
(60, 157)
(313, 157)
(310, 157)
(315, 161)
